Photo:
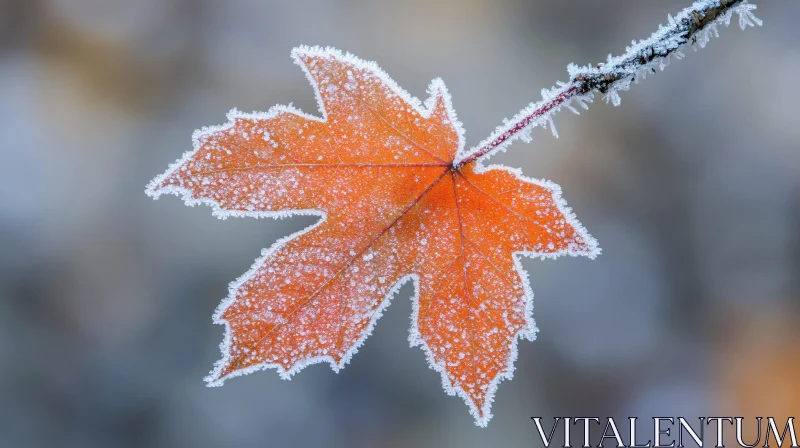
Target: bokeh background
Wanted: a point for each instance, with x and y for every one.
(692, 187)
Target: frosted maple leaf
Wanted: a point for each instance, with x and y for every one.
(399, 199)
(378, 168)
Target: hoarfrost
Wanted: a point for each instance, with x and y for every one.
(694, 26)
(399, 201)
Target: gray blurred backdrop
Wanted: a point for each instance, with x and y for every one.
(692, 188)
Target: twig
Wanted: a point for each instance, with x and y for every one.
(693, 26)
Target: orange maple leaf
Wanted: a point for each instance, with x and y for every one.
(378, 169)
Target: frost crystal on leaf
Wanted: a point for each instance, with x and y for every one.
(377, 168)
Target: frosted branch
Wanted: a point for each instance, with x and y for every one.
(694, 26)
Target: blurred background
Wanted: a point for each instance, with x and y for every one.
(692, 188)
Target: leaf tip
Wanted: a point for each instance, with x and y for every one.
(301, 54)
(152, 188)
(161, 184)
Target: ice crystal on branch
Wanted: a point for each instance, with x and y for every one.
(694, 26)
